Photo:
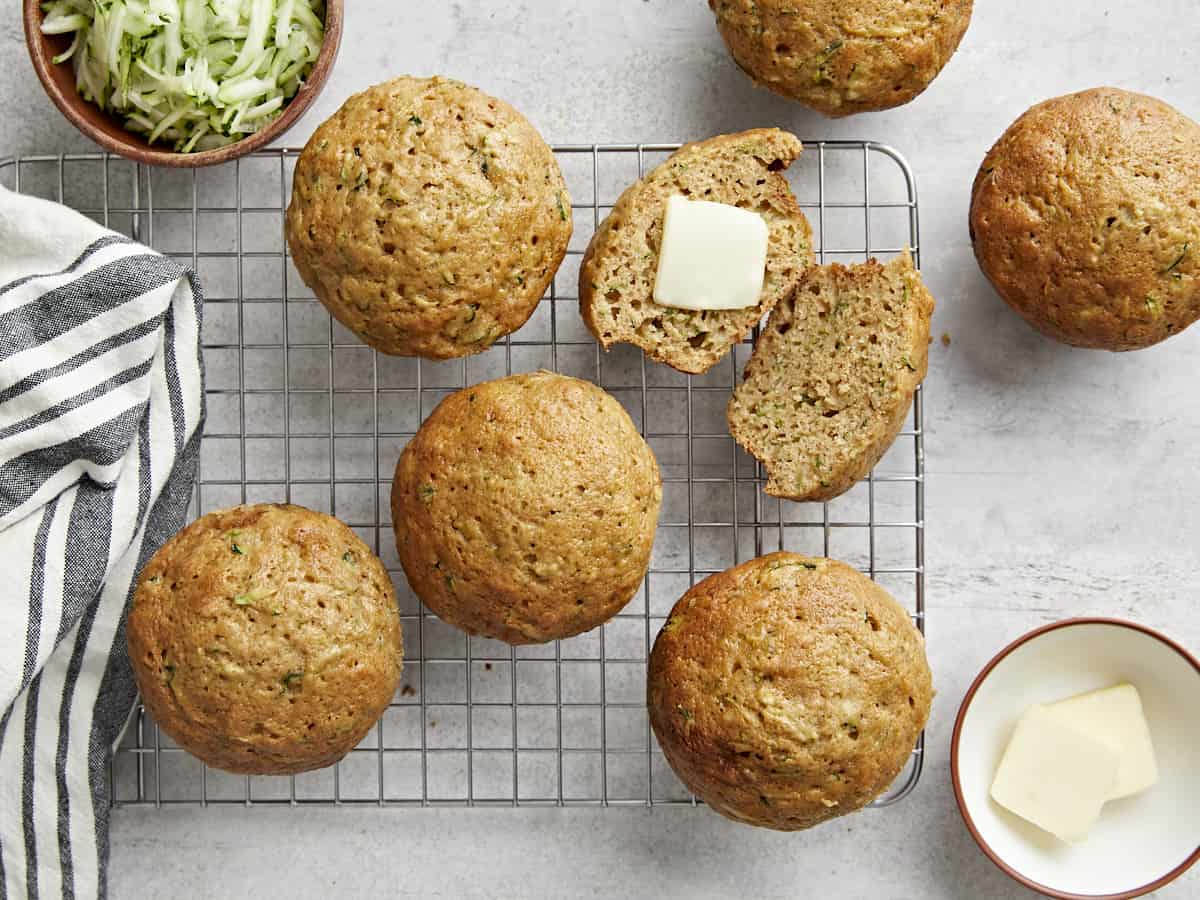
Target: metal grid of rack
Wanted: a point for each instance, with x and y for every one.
(301, 411)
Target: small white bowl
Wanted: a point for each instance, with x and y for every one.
(1140, 843)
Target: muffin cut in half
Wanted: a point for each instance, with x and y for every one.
(832, 376)
(788, 690)
(616, 279)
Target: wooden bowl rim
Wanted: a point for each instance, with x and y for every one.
(133, 146)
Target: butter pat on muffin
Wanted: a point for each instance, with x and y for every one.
(617, 276)
(713, 256)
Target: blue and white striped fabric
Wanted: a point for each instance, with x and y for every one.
(101, 407)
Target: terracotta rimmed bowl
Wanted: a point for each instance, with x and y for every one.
(1141, 843)
(110, 133)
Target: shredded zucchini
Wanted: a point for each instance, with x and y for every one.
(198, 74)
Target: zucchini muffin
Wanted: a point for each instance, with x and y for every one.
(832, 377)
(788, 690)
(525, 508)
(265, 639)
(428, 217)
(843, 56)
(617, 276)
(1085, 217)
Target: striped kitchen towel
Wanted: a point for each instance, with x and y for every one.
(101, 406)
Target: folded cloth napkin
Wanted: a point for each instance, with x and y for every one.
(101, 407)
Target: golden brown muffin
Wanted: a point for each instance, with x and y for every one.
(428, 217)
(843, 56)
(265, 639)
(525, 508)
(832, 377)
(617, 276)
(788, 690)
(1084, 217)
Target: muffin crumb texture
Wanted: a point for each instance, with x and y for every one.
(832, 377)
(1085, 216)
(428, 217)
(265, 639)
(788, 691)
(525, 508)
(843, 56)
(616, 279)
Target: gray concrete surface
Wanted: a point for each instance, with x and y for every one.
(1061, 482)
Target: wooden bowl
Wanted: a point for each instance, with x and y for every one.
(111, 134)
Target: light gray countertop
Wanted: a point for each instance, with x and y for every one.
(1060, 482)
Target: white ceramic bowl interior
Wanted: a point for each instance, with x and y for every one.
(1138, 840)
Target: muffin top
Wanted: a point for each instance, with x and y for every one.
(788, 690)
(1085, 218)
(843, 56)
(265, 639)
(428, 217)
(525, 508)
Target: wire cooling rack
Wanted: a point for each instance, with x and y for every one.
(301, 411)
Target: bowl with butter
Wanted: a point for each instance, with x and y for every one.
(1076, 760)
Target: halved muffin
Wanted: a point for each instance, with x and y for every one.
(832, 376)
(616, 280)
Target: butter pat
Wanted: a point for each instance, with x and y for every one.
(1055, 776)
(1114, 715)
(713, 256)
